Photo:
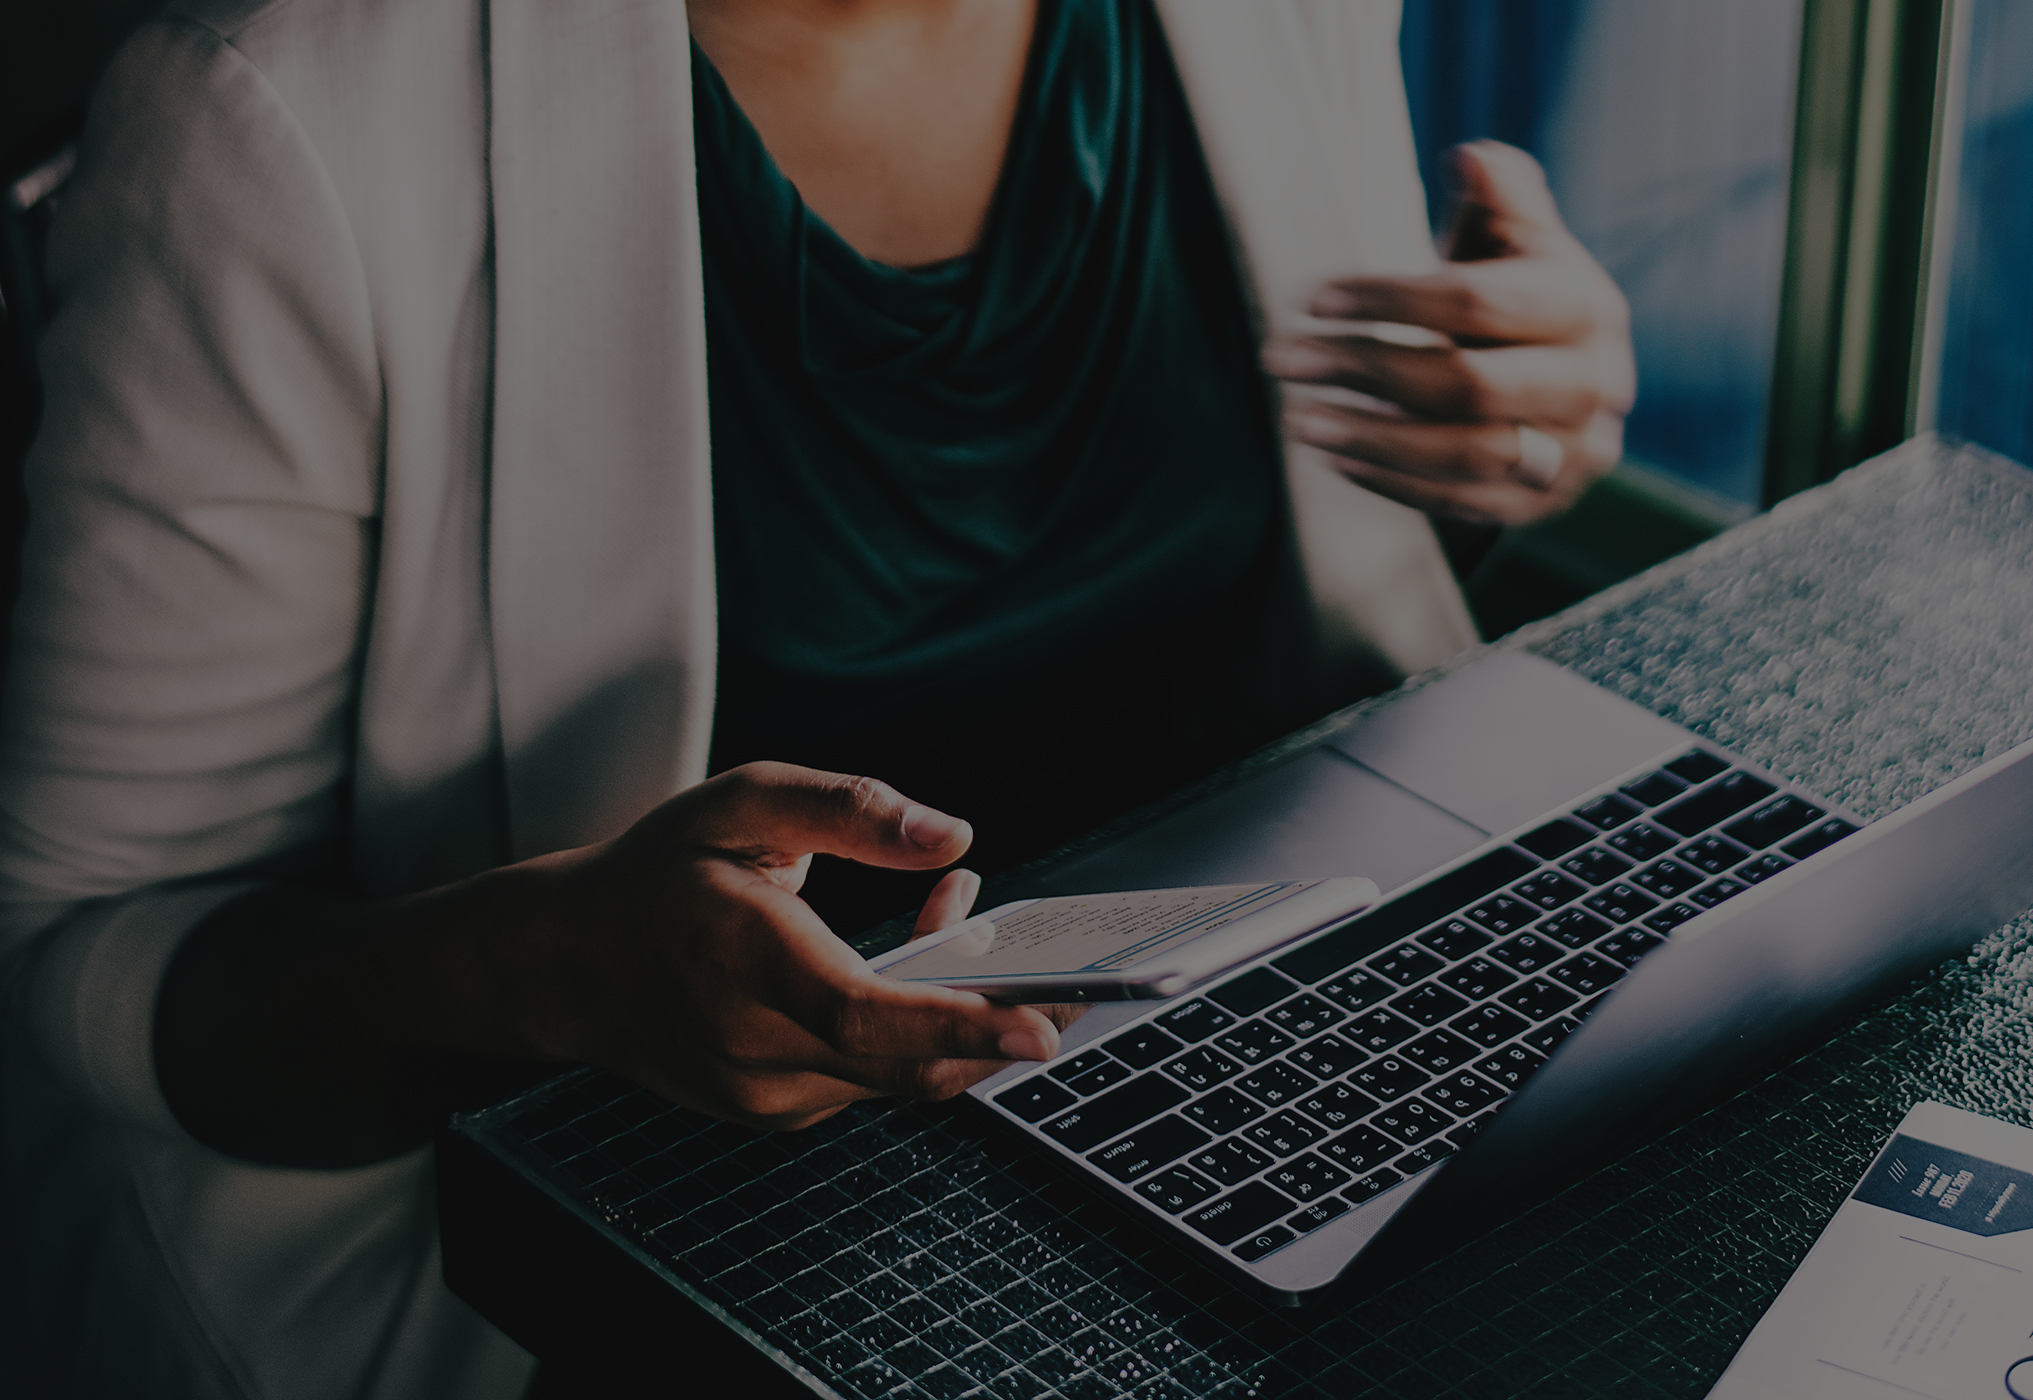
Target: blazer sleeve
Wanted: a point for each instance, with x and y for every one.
(201, 500)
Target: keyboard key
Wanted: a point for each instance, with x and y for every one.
(1304, 1015)
(1152, 1146)
(1105, 1075)
(1670, 918)
(1143, 1047)
(1066, 1070)
(1531, 952)
(1196, 1020)
(1628, 945)
(1595, 866)
(1548, 1036)
(1229, 1162)
(1360, 1150)
(1379, 1030)
(1253, 1042)
(1202, 1068)
(1759, 869)
(1607, 813)
(1224, 1110)
(1428, 1005)
(1307, 1178)
(1697, 767)
(1712, 854)
(1336, 1107)
(1252, 992)
(1329, 1057)
(1405, 964)
(1276, 1084)
(1585, 974)
(1501, 914)
(1511, 1066)
(1653, 789)
(1175, 1190)
(1463, 1094)
(1035, 1098)
(1411, 1122)
(1264, 1241)
(1548, 890)
(1426, 1154)
(1669, 879)
(1642, 842)
(1439, 1052)
(1489, 1025)
(1818, 838)
(1716, 891)
(1716, 803)
(1356, 990)
(1577, 928)
(1099, 1119)
(1454, 939)
(1773, 822)
(1479, 977)
(1389, 1077)
(1537, 999)
(1555, 838)
(1317, 1214)
(1243, 1213)
(1283, 1133)
(1373, 1185)
(1620, 903)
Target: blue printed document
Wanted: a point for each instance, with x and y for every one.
(1921, 1285)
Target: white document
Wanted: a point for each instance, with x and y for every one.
(1921, 1285)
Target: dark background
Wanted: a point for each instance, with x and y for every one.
(50, 50)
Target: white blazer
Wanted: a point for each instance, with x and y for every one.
(371, 533)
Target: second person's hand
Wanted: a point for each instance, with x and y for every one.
(1517, 403)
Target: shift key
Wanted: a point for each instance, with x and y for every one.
(1115, 1112)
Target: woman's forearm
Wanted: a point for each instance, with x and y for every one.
(303, 1029)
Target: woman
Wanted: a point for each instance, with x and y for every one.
(385, 570)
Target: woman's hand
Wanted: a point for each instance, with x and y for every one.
(1516, 402)
(680, 956)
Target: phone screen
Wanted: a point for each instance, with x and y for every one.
(1085, 933)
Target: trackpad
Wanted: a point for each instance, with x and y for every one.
(1318, 816)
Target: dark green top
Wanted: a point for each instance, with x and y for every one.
(975, 520)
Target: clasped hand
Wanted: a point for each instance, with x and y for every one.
(689, 964)
(1529, 333)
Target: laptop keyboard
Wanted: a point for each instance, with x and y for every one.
(1277, 1100)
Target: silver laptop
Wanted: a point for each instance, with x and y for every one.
(1593, 922)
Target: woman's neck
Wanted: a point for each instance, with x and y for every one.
(890, 116)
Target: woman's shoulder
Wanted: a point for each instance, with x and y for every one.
(346, 70)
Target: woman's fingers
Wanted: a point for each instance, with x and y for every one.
(771, 812)
(1520, 384)
(1436, 452)
(948, 903)
(1475, 471)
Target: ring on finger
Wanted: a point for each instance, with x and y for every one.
(1540, 456)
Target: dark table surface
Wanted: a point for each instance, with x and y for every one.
(1871, 640)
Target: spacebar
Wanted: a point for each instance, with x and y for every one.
(1408, 913)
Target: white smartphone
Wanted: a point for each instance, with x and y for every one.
(1130, 945)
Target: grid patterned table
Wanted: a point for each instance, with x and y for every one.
(1870, 640)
